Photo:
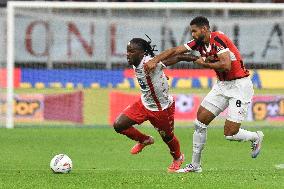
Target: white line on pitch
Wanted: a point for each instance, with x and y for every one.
(279, 166)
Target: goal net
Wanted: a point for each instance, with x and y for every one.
(65, 63)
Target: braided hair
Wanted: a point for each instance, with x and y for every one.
(145, 45)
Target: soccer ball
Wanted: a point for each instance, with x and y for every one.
(61, 163)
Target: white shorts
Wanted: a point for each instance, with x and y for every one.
(235, 94)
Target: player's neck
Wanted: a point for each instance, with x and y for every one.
(136, 64)
(207, 38)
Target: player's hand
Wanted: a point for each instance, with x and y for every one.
(192, 57)
(150, 66)
(210, 59)
(200, 61)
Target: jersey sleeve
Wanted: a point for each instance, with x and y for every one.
(220, 42)
(161, 65)
(191, 45)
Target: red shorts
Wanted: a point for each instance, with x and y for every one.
(163, 120)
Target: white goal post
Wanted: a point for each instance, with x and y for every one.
(12, 6)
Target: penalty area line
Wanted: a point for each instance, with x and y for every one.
(279, 166)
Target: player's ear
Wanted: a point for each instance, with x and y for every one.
(204, 28)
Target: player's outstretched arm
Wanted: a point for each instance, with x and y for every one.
(178, 58)
(224, 63)
(151, 65)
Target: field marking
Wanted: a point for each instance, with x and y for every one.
(279, 166)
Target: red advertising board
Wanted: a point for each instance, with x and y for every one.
(64, 107)
(41, 107)
(3, 78)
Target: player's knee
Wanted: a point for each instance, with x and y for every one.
(117, 125)
(204, 115)
(200, 127)
(117, 129)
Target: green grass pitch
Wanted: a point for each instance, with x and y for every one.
(101, 159)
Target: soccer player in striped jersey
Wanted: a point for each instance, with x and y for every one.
(233, 90)
(155, 104)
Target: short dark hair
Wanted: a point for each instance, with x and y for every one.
(200, 21)
(144, 45)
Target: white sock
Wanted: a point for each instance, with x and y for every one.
(199, 140)
(243, 135)
(198, 145)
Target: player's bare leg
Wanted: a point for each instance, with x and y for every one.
(233, 132)
(204, 117)
(124, 125)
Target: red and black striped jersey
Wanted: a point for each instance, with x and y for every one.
(220, 43)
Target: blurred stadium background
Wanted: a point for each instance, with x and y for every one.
(70, 66)
(71, 79)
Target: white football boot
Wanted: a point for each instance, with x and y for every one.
(190, 168)
(256, 145)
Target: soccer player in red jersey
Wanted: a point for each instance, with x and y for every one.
(233, 89)
(155, 104)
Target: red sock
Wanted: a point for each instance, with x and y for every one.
(134, 134)
(174, 148)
